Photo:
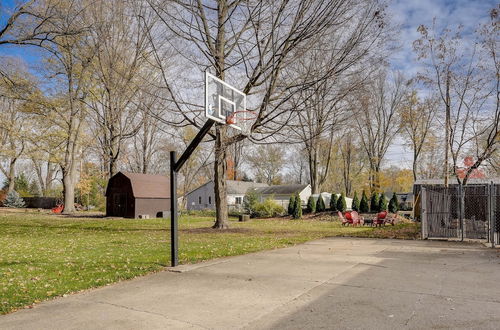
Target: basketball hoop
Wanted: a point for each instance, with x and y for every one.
(239, 116)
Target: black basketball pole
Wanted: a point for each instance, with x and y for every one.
(175, 167)
(174, 239)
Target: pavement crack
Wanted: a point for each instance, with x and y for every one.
(143, 311)
(409, 291)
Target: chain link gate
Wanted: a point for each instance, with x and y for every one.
(461, 212)
(494, 204)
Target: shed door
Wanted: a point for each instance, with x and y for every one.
(119, 204)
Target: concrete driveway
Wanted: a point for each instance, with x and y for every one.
(340, 283)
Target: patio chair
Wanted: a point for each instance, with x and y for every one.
(356, 219)
(390, 219)
(379, 220)
(345, 220)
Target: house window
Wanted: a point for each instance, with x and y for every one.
(238, 200)
(199, 200)
(209, 199)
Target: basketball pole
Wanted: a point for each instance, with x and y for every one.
(175, 167)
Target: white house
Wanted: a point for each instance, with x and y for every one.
(281, 193)
(203, 197)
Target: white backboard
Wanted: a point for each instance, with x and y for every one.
(222, 99)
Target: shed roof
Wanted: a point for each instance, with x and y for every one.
(283, 189)
(147, 185)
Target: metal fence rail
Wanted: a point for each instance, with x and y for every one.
(460, 212)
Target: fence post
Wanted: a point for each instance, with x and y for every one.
(490, 214)
(423, 208)
(461, 207)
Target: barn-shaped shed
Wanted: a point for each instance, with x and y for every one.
(132, 194)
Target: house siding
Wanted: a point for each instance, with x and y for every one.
(206, 193)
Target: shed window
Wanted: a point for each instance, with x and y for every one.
(199, 200)
(209, 199)
(238, 200)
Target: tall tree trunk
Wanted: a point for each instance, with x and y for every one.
(220, 165)
(221, 210)
(313, 168)
(69, 193)
(12, 175)
(414, 166)
(447, 130)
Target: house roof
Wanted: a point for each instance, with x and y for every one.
(453, 181)
(147, 185)
(241, 187)
(285, 189)
(235, 187)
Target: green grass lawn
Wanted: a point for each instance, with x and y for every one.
(43, 256)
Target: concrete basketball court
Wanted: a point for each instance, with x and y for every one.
(336, 283)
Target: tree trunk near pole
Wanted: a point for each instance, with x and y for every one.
(414, 167)
(221, 210)
(313, 169)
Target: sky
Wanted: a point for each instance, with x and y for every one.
(406, 14)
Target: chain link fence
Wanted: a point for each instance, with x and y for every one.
(462, 212)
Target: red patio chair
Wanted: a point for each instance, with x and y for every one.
(390, 219)
(345, 220)
(380, 219)
(356, 218)
(58, 209)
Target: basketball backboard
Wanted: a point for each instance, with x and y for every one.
(222, 101)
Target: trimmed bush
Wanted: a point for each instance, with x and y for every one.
(355, 202)
(320, 204)
(363, 204)
(14, 200)
(291, 205)
(311, 205)
(268, 209)
(333, 203)
(341, 203)
(250, 199)
(374, 202)
(382, 203)
(393, 204)
(297, 210)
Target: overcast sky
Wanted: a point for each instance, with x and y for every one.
(408, 15)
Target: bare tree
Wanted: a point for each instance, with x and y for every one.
(457, 70)
(119, 72)
(255, 42)
(376, 111)
(15, 124)
(417, 119)
(266, 162)
(12, 139)
(353, 161)
(296, 165)
(68, 65)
